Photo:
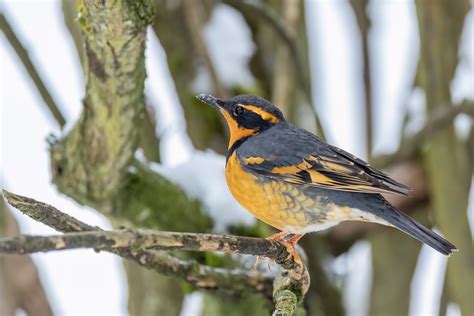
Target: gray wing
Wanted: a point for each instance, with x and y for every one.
(288, 153)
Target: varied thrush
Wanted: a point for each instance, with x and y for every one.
(297, 183)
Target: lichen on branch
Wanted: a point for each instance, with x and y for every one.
(141, 245)
(90, 163)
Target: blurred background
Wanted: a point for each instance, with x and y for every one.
(391, 81)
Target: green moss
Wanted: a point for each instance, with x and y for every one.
(83, 16)
(215, 260)
(259, 229)
(149, 200)
(252, 305)
(140, 12)
(187, 288)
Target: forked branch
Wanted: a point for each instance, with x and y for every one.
(142, 246)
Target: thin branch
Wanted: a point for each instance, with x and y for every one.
(141, 246)
(283, 83)
(194, 20)
(440, 119)
(360, 10)
(289, 38)
(31, 69)
(232, 282)
(149, 239)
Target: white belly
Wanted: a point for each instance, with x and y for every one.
(337, 215)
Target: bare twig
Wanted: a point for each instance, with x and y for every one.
(194, 20)
(276, 22)
(31, 69)
(441, 118)
(360, 9)
(201, 276)
(149, 239)
(141, 246)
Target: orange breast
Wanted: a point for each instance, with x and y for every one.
(276, 203)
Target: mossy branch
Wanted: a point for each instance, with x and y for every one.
(141, 246)
(114, 39)
(94, 163)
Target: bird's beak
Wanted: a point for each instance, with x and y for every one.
(212, 101)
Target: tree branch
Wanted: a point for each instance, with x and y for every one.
(193, 13)
(289, 38)
(441, 118)
(31, 69)
(149, 239)
(91, 162)
(360, 8)
(140, 245)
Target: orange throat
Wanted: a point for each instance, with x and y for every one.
(236, 132)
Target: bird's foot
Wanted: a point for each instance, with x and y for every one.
(260, 259)
(289, 240)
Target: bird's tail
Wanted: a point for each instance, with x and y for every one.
(418, 231)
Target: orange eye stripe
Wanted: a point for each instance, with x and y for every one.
(263, 114)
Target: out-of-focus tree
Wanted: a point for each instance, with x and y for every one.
(94, 163)
(20, 286)
(445, 157)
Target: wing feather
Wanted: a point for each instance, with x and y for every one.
(320, 165)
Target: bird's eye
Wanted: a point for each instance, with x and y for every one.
(238, 110)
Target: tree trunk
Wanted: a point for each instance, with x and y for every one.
(447, 165)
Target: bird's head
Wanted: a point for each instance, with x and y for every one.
(246, 115)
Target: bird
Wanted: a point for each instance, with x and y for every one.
(294, 181)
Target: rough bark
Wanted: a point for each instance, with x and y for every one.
(290, 283)
(70, 14)
(93, 163)
(115, 74)
(446, 159)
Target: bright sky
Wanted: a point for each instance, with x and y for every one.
(81, 282)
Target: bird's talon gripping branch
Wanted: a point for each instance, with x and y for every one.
(289, 241)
